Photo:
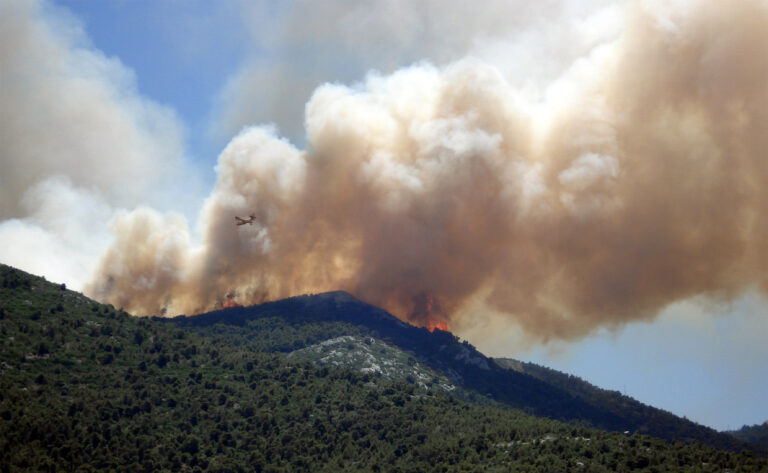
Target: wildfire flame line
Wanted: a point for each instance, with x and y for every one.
(433, 325)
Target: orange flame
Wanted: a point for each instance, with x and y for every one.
(427, 311)
(230, 302)
(433, 325)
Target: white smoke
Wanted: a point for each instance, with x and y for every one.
(309, 43)
(76, 141)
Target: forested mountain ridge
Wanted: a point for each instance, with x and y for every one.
(756, 434)
(290, 324)
(85, 387)
(642, 417)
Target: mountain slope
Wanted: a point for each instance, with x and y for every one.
(640, 417)
(84, 387)
(755, 434)
(292, 323)
(368, 355)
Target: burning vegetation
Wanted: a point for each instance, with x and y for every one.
(427, 312)
(229, 301)
(433, 325)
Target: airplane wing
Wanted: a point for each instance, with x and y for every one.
(242, 221)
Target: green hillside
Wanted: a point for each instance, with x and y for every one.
(85, 387)
(294, 323)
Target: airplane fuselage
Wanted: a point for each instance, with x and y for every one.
(242, 221)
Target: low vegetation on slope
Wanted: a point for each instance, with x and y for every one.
(368, 355)
(85, 387)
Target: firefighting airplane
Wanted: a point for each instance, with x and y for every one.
(242, 221)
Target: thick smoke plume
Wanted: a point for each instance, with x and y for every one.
(639, 180)
(76, 140)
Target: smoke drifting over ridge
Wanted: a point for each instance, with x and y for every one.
(638, 182)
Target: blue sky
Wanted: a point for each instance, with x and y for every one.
(206, 70)
(182, 54)
(689, 361)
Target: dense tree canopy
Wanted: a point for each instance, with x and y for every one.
(86, 387)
